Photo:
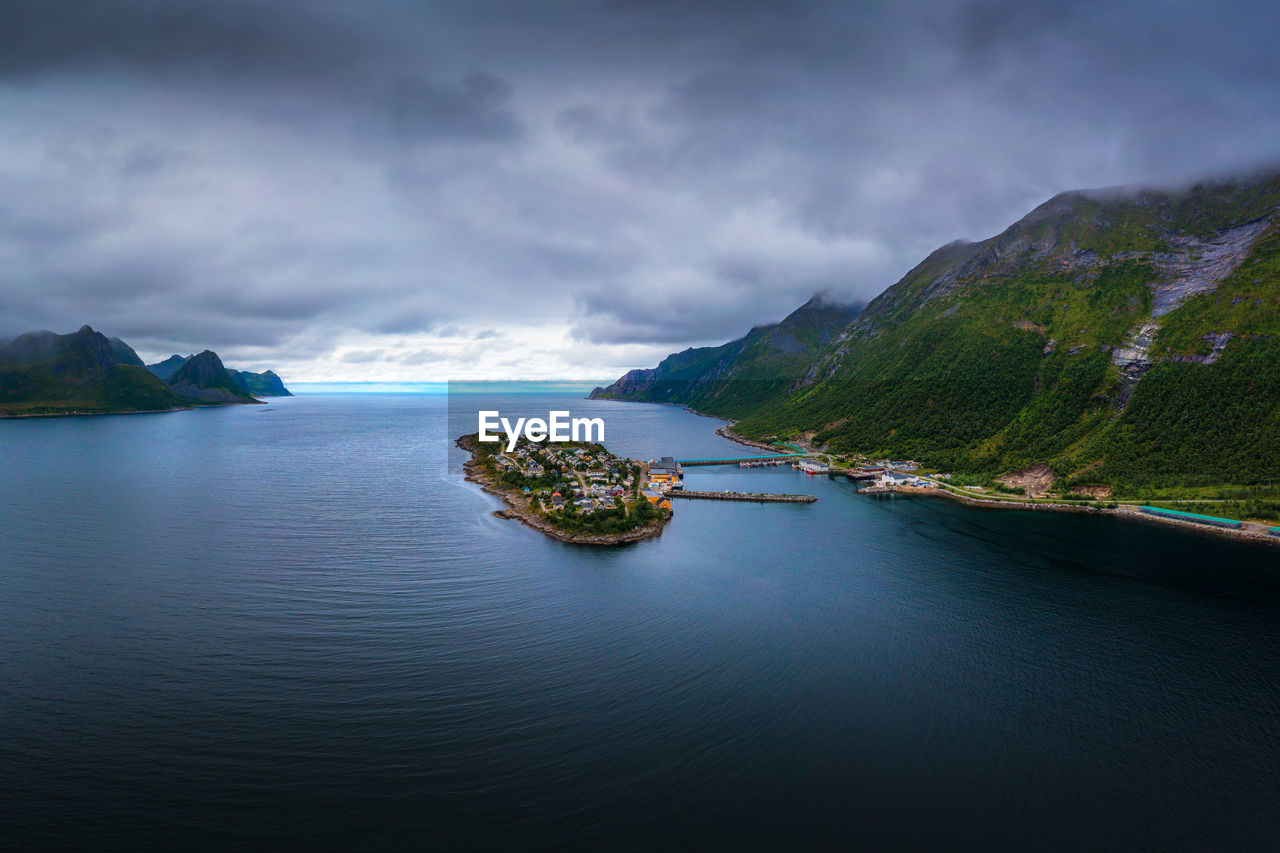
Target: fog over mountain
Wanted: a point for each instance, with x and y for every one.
(408, 191)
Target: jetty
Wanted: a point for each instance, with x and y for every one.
(736, 460)
(744, 496)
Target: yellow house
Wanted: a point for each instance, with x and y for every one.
(658, 499)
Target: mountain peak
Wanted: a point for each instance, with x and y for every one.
(89, 350)
(203, 377)
(738, 374)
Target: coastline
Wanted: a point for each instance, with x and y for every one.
(726, 431)
(14, 417)
(518, 510)
(1253, 530)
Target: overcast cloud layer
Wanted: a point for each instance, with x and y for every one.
(410, 191)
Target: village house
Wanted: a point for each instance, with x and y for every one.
(656, 498)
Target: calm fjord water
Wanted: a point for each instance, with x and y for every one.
(294, 625)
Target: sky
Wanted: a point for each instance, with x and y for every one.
(397, 191)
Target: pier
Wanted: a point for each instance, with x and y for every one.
(734, 460)
(744, 496)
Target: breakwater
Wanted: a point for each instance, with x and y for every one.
(737, 460)
(743, 496)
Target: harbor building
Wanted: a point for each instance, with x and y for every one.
(665, 471)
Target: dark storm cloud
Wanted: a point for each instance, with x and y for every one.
(220, 37)
(475, 108)
(296, 180)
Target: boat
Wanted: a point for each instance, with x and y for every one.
(814, 467)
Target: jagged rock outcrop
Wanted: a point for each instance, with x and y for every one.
(265, 384)
(204, 378)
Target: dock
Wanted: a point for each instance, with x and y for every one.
(734, 460)
(744, 496)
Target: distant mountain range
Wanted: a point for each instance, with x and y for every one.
(1127, 338)
(265, 384)
(43, 373)
(742, 375)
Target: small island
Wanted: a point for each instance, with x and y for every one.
(577, 492)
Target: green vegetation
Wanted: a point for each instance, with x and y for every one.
(265, 384)
(994, 356)
(45, 373)
(203, 377)
(1197, 424)
(736, 378)
(1245, 304)
(120, 387)
(515, 473)
(971, 382)
(42, 373)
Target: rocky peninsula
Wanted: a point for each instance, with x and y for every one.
(536, 506)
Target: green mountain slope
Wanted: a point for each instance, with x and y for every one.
(43, 373)
(1126, 338)
(125, 353)
(46, 373)
(204, 378)
(265, 384)
(736, 378)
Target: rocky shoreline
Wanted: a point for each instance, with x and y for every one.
(727, 432)
(1252, 530)
(518, 509)
(16, 416)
